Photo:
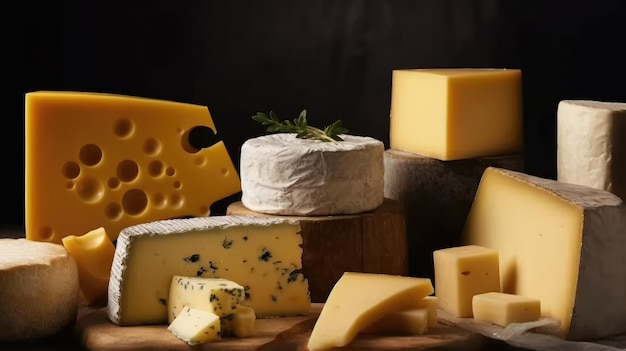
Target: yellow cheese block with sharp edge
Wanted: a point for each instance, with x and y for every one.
(561, 243)
(452, 114)
(195, 326)
(113, 161)
(93, 253)
(503, 309)
(359, 299)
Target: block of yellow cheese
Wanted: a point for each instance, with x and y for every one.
(462, 272)
(103, 160)
(195, 326)
(452, 114)
(591, 144)
(38, 289)
(561, 243)
(503, 309)
(263, 255)
(241, 323)
(93, 252)
(359, 299)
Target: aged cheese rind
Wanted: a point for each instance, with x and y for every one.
(261, 254)
(38, 289)
(591, 144)
(438, 196)
(282, 174)
(562, 243)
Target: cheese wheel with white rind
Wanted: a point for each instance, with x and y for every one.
(285, 175)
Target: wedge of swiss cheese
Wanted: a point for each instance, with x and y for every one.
(561, 243)
(261, 254)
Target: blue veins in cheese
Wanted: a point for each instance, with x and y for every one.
(195, 326)
(263, 255)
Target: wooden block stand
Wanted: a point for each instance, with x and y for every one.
(373, 242)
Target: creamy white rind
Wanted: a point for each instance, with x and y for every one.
(284, 175)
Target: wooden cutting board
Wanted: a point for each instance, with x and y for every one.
(97, 333)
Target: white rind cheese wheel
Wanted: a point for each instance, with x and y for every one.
(38, 289)
(284, 175)
(591, 144)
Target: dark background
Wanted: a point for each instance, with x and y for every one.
(332, 57)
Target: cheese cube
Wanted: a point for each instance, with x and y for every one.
(558, 242)
(194, 326)
(462, 272)
(430, 304)
(264, 255)
(409, 322)
(93, 252)
(240, 323)
(215, 295)
(452, 114)
(503, 309)
(591, 148)
(359, 299)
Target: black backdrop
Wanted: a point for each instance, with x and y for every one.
(332, 57)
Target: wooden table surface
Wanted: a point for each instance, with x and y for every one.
(67, 340)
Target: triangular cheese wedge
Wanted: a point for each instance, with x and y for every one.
(359, 299)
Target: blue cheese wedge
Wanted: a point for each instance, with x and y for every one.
(215, 295)
(263, 255)
(195, 326)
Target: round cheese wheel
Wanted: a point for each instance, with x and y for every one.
(285, 175)
(38, 289)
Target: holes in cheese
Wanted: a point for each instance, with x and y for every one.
(114, 161)
(462, 272)
(263, 255)
(93, 252)
(558, 242)
(359, 299)
(503, 309)
(452, 114)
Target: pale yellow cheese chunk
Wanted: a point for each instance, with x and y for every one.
(195, 326)
(503, 309)
(359, 299)
(462, 272)
(93, 252)
(452, 114)
(240, 323)
(430, 303)
(561, 243)
(215, 295)
(409, 322)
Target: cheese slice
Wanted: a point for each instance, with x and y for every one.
(503, 309)
(591, 144)
(216, 295)
(114, 161)
(358, 300)
(38, 289)
(561, 243)
(195, 326)
(264, 255)
(93, 252)
(462, 272)
(409, 322)
(285, 175)
(453, 114)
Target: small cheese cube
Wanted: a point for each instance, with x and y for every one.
(502, 308)
(462, 272)
(194, 326)
(93, 252)
(409, 322)
(452, 114)
(430, 303)
(215, 295)
(240, 323)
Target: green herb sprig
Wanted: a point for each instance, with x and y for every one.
(300, 127)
